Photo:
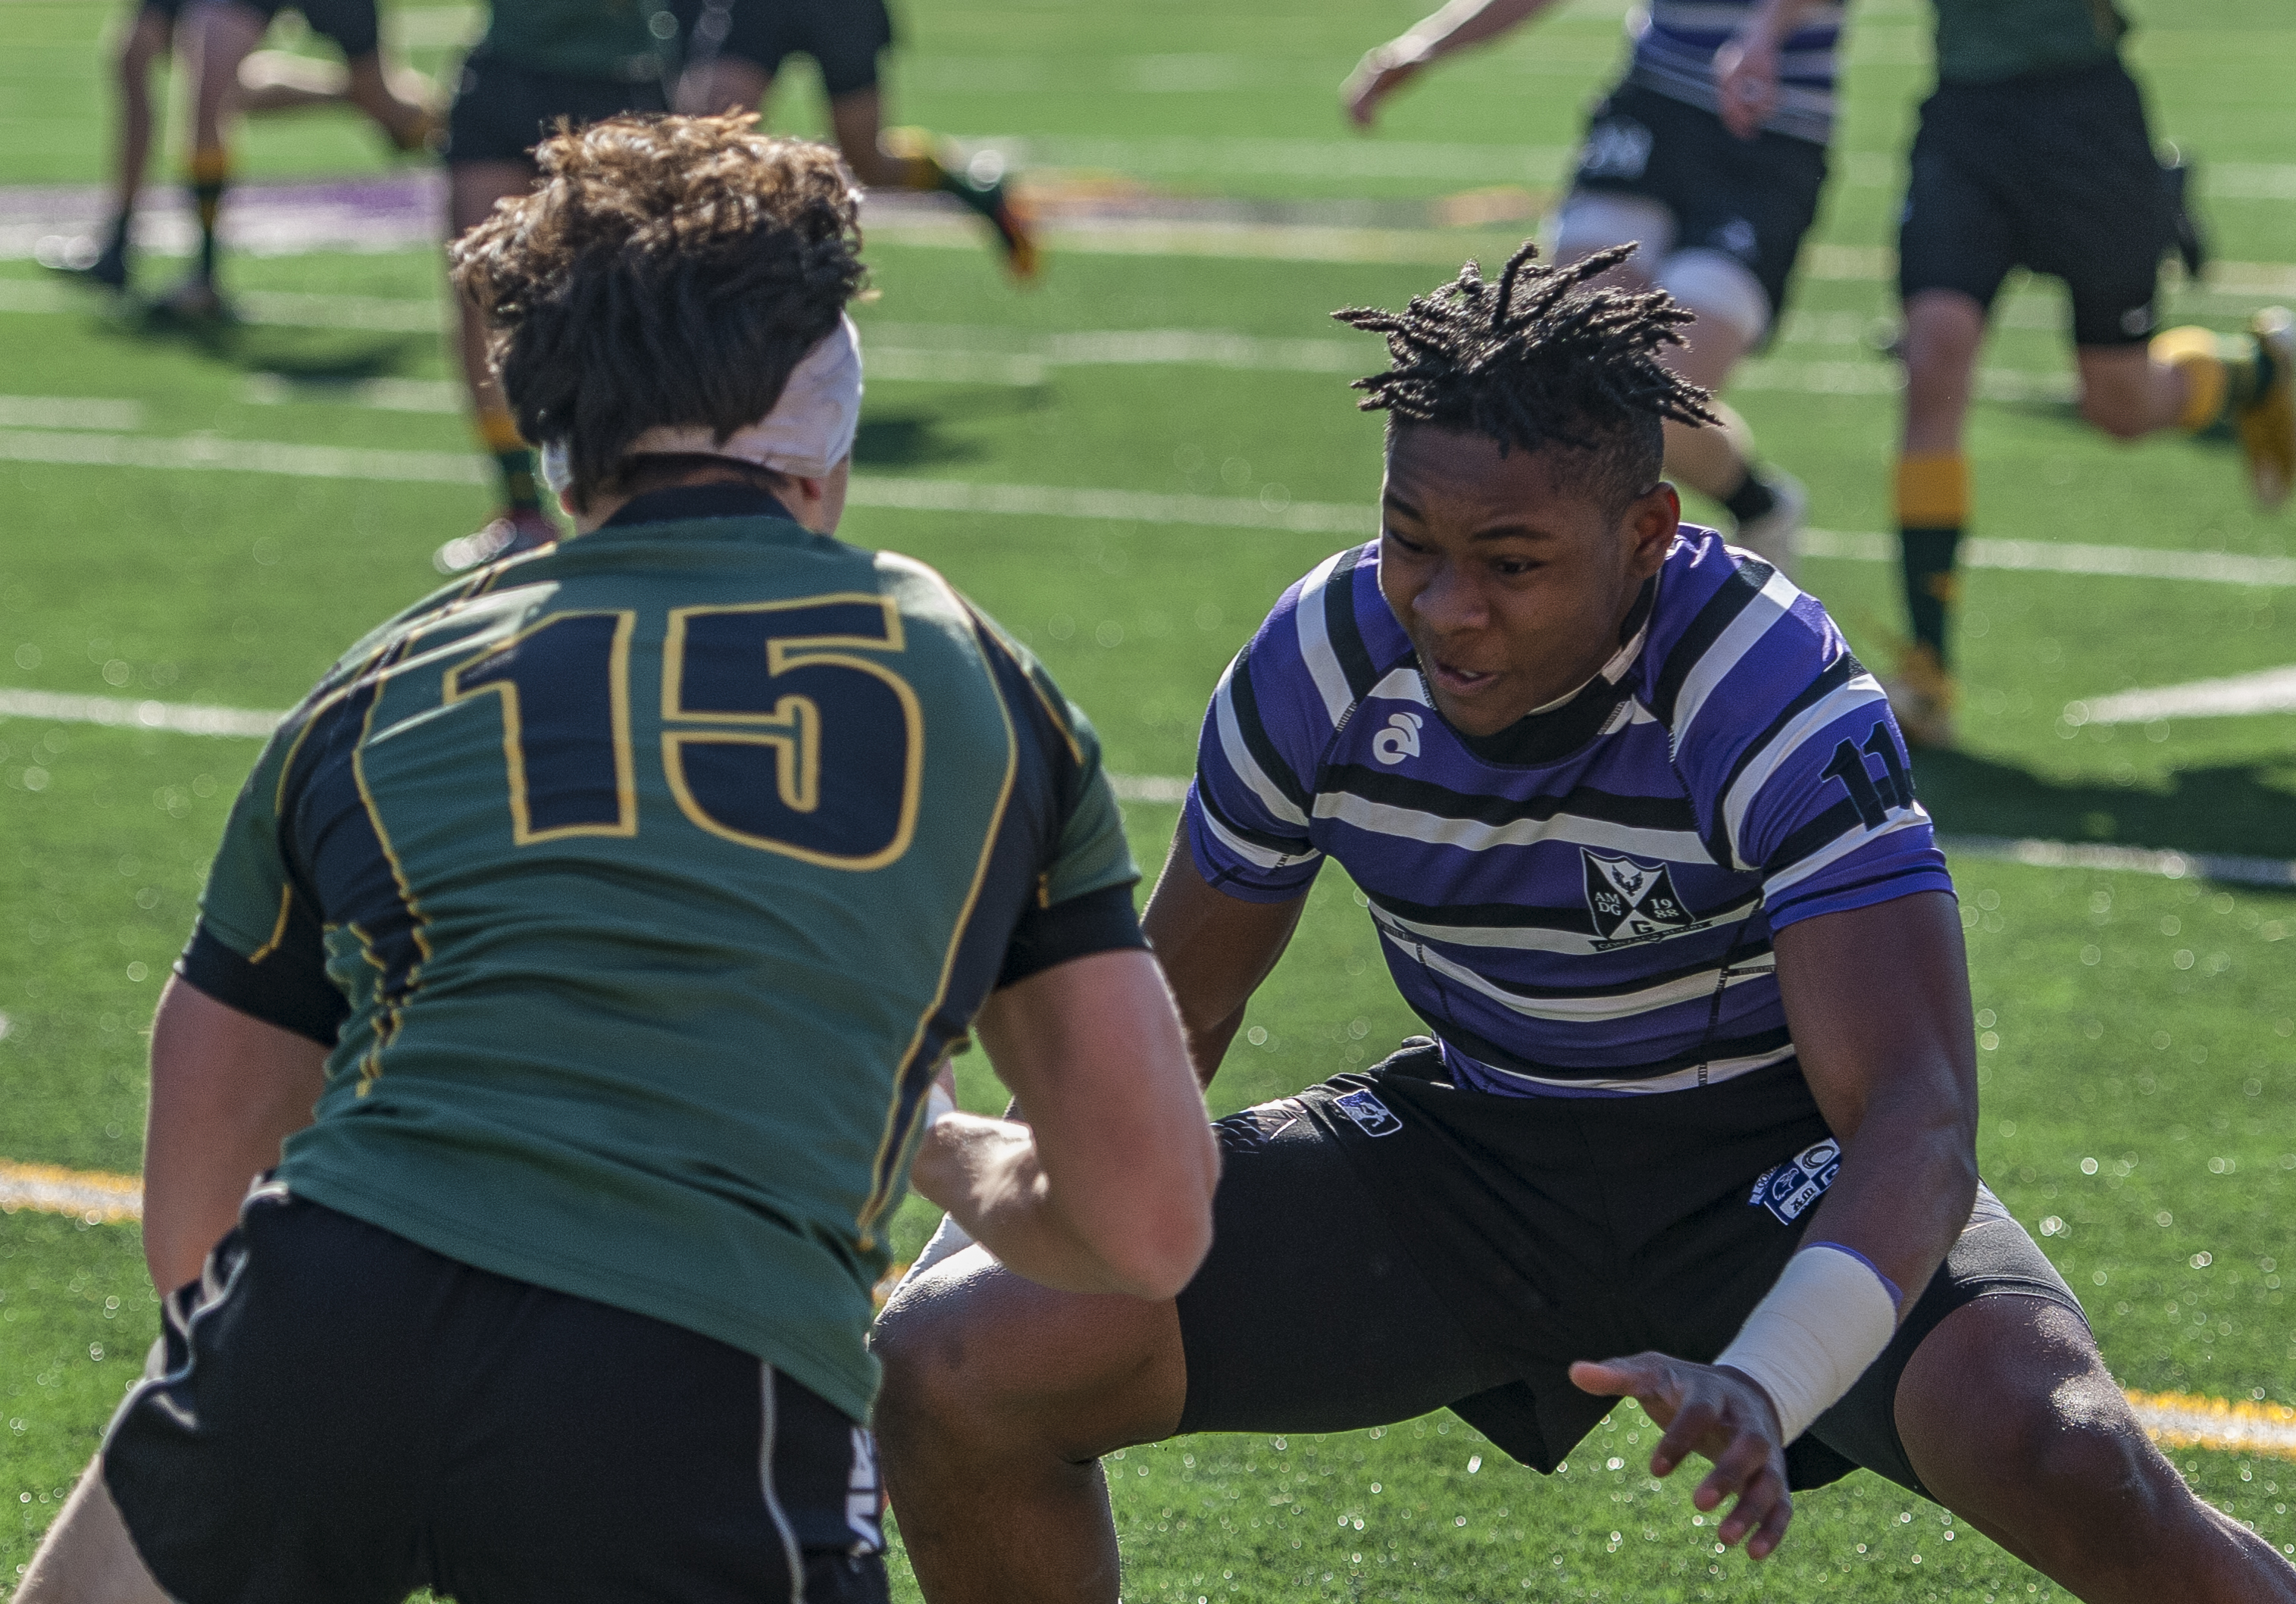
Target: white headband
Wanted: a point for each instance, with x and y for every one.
(809, 433)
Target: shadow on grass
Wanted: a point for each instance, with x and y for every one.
(2236, 809)
(307, 356)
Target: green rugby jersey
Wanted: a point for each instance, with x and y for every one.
(638, 886)
(625, 40)
(1986, 41)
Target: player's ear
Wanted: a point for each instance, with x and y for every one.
(1650, 522)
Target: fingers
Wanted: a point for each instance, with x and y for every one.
(1764, 1509)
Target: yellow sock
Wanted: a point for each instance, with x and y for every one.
(2193, 352)
(209, 175)
(498, 431)
(1932, 492)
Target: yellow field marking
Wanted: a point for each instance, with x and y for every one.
(2172, 1419)
(2183, 1420)
(99, 1198)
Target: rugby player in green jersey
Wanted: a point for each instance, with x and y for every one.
(2033, 151)
(538, 60)
(735, 48)
(616, 907)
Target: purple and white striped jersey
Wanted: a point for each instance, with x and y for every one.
(1676, 40)
(1581, 904)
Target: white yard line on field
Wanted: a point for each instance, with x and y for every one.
(2268, 690)
(1273, 509)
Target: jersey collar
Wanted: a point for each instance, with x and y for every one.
(1560, 728)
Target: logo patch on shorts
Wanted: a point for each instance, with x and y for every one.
(1799, 1182)
(1617, 147)
(1371, 1117)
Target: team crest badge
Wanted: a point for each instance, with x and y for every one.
(1634, 902)
(1371, 1117)
(1790, 1188)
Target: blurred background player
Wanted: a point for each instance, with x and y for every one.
(620, 1051)
(2033, 151)
(538, 60)
(1716, 175)
(232, 77)
(734, 48)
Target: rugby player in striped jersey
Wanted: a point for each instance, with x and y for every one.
(1718, 190)
(1694, 1121)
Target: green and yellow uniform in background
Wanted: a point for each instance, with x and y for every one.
(1986, 41)
(639, 887)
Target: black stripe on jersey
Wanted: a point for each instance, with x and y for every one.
(330, 838)
(1898, 871)
(1393, 790)
(1243, 697)
(1500, 916)
(1838, 820)
(285, 983)
(1025, 836)
(1339, 624)
(1829, 679)
(1721, 1047)
(1721, 610)
(1288, 846)
(1734, 958)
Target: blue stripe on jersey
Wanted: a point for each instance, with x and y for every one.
(1590, 914)
(1674, 56)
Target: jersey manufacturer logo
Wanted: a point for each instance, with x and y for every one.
(1737, 236)
(1789, 1188)
(1874, 797)
(1399, 740)
(1617, 147)
(1634, 902)
(1371, 1117)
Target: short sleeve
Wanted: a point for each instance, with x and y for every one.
(259, 946)
(1251, 808)
(1796, 767)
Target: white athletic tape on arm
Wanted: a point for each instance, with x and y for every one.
(1828, 1318)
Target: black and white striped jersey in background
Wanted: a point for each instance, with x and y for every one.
(1581, 904)
(1675, 42)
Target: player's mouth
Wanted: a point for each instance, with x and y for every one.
(1457, 680)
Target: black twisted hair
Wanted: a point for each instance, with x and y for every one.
(666, 270)
(1538, 362)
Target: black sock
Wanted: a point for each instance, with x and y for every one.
(1928, 556)
(118, 246)
(1752, 500)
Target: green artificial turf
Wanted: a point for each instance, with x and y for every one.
(2140, 1023)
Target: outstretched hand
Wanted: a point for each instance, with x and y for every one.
(1382, 71)
(1719, 1414)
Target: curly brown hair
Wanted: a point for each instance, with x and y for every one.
(666, 270)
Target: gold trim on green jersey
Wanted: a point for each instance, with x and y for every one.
(279, 929)
(618, 681)
(387, 1016)
(899, 1133)
(794, 728)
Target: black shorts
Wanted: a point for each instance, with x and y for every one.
(503, 111)
(1386, 1244)
(350, 23)
(1752, 199)
(343, 1415)
(2055, 174)
(171, 9)
(844, 37)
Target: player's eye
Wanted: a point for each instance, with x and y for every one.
(1407, 544)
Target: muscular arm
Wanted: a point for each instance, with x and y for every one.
(1877, 1000)
(1215, 950)
(1386, 68)
(226, 1090)
(1108, 1186)
(1878, 1003)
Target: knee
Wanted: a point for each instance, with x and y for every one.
(923, 1369)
